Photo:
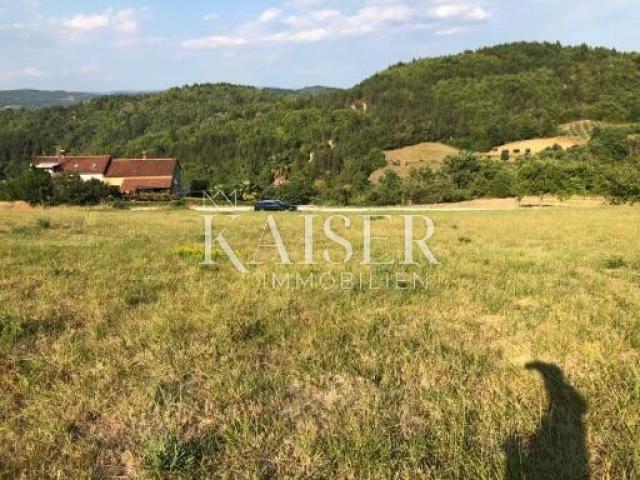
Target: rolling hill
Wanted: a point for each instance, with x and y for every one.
(224, 133)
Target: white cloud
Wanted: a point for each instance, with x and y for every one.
(459, 10)
(269, 15)
(305, 21)
(87, 23)
(214, 41)
(304, 4)
(210, 17)
(31, 72)
(125, 21)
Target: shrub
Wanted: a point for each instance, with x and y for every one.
(390, 190)
(31, 186)
(622, 184)
(72, 189)
(43, 223)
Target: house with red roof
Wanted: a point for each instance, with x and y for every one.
(137, 176)
(88, 167)
(134, 177)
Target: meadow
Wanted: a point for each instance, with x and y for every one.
(122, 357)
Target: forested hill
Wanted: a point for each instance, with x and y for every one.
(495, 95)
(225, 133)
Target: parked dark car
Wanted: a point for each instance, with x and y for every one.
(274, 205)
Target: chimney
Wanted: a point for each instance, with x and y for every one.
(144, 155)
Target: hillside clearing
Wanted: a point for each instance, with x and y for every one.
(430, 154)
(537, 145)
(585, 128)
(403, 160)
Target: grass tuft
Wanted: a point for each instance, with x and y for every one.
(172, 456)
(43, 223)
(614, 263)
(10, 329)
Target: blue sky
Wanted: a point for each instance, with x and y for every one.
(147, 45)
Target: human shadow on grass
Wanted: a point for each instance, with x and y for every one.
(558, 449)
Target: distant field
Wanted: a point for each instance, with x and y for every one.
(537, 145)
(584, 128)
(403, 160)
(122, 357)
(579, 128)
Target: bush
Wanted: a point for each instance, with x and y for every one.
(38, 187)
(390, 190)
(43, 223)
(298, 190)
(31, 186)
(72, 189)
(198, 185)
(622, 184)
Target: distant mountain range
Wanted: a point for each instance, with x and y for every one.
(306, 91)
(41, 98)
(28, 98)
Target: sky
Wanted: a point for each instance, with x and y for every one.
(102, 46)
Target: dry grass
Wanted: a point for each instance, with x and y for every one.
(537, 145)
(121, 356)
(525, 202)
(580, 128)
(431, 155)
(584, 128)
(403, 160)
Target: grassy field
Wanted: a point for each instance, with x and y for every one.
(121, 356)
